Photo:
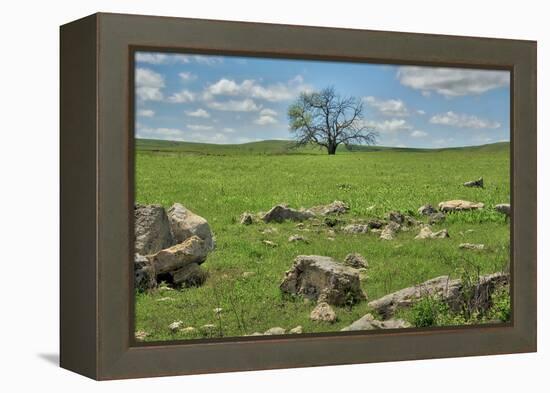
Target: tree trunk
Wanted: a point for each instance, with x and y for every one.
(332, 149)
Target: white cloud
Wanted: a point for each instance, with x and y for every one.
(198, 113)
(149, 85)
(187, 76)
(265, 120)
(161, 58)
(182, 97)
(392, 107)
(172, 134)
(452, 82)
(418, 134)
(268, 112)
(199, 127)
(461, 120)
(421, 112)
(157, 58)
(229, 130)
(246, 105)
(388, 126)
(146, 113)
(251, 88)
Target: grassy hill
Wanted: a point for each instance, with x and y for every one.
(277, 147)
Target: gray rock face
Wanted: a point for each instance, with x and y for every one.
(356, 228)
(375, 223)
(459, 205)
(185, 224)
(426, 210)
(192, 250)
(282, 213)
(246, 219)
(389, 232)
(436, 218)
(426, 233)
(322, 278)
(446, 289)
(152, 230)
(336, 207)
(356, 261)
(323, 312)
(504, 208)
(144, 274)
(474, 183)
(367, 322)
(297, 238)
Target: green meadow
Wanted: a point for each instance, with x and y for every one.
(219, 182)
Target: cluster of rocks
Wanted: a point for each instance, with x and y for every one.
(170, 246)
(283, 212)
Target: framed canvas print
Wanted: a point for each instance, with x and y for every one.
(240, 196)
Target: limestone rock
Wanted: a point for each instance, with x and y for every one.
(426, 210)
(297, 238)
(246, 219)
(140, 335)
(191, 275)
(297, 330)
(389, 231)
(474, 183)
(436, 218)
(175, 326)
(274, 331)
(368, 322)
(282, 213)
(396, 217)
(323, 312)
(459, 205)
(426, 233)
(356, 261)
(319, 277)
(471, 246)
(356, 228)
(504, 208)
(185, 224)
(375, 223)
(151, 228)
(336, 207)
(188, 330)
(144, 274)
(192, 250)
(449, 290)
(269, 243)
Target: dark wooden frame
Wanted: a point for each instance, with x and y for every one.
(97, 196)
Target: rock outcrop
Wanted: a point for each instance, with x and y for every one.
(152, 229)
(280, 213)
(185, 224)
(459, 205)
(324, 279)
(367, 322)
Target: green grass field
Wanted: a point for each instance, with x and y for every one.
(219, 182)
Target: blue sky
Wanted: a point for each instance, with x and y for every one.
(224, 99)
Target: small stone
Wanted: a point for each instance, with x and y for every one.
(426, 210)
(356, 228)
(208, 327)
(356, 261)
(471, 246)
(367, 322)
(396, 217)
(474, 183)
(165, 299)
(269, 243)
(174, 326)
(426, 233)
(375, 223)
(336, 207)
(188, 330)
(297, 330)
(274, 331)
(280, 213)
(140, 335)
(505, 209)
(269, 230)
(248, 274)
(297, 238)
(323, 312)
(256, 334)
(246, 219)
(218, 310)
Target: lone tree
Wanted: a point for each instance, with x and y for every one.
(328, 120)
